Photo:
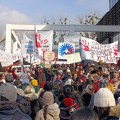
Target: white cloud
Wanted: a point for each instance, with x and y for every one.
(8, 16)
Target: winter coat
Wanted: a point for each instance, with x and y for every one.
(115, 111)
(52, 113)
(23, 104)
(10, 111)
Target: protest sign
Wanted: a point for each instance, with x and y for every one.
(27, 45)
(95, 51)
(73, 58)
(5, 58)
(65, 49)
(47, 66)
(43, 42)
(49, 56)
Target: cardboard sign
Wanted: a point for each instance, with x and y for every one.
(49, 56)
(73, 58)
(47, 66)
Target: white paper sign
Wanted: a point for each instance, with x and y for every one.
(73, 58)
(95, 51)
(5, 58)
(27, 45)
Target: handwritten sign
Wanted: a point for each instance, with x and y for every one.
(95, 51)
(46, 38)
(73, 58)
(49, 56)
(27, 45)
(47, 66)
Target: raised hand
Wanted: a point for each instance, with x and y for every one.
(86, 45)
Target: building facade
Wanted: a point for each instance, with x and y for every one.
(112, 3)
(112, 17)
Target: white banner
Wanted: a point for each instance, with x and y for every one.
(24, 75)
(65, 49)
(95, 51)
(46, 39)
(73, 58)
(5, 58)
(27, 45)
(73, 39)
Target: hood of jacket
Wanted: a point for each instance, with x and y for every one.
(53, 110)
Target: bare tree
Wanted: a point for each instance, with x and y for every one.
(89, 20)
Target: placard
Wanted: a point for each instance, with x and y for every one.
(47, 66)
(73, 58)
(95, 51)
(49, 56)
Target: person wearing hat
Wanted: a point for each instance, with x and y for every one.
(87, 95)
(8, 106)
(30, 93)
(103, 101)
(9, 78)
(50, 109)
(22, 102)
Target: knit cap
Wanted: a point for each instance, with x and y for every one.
(9, 78)
(8, 91)
(48, 98)
(104, 98)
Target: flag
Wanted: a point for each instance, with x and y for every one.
(37, 40)
(38, 50)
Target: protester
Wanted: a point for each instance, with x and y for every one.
(50, 109)
(8, 106)
(103, 101)
(84, 114)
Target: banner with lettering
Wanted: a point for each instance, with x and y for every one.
(5, 58)
(73, 58)
(65, 49)
(46, 39)
(27, 45)
(91, 49)
(73, 39)
(43, 42)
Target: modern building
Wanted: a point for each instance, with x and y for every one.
(112, 3)
(112, 17)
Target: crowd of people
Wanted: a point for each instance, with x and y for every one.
(64, 92)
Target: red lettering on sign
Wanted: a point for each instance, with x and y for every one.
(45, 41)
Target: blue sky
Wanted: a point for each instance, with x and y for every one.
(37, 10)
